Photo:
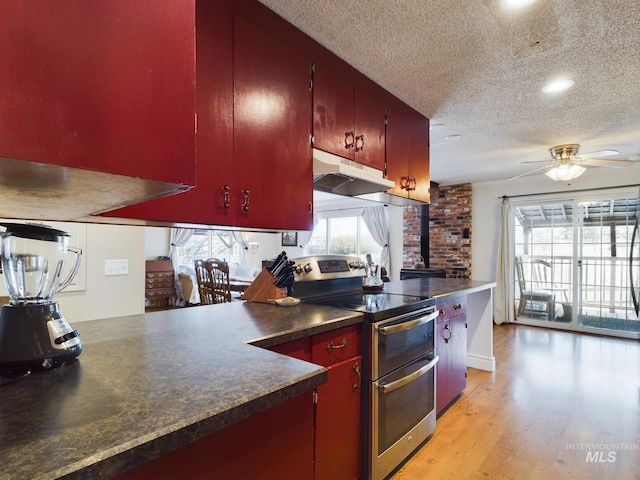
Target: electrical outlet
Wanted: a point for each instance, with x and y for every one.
(116, 267)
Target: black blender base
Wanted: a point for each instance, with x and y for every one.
(35, 337)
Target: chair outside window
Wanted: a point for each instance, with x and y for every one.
(213, 281)
(536, 296)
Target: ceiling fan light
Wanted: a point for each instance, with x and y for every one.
(558, 85)
(564, 173)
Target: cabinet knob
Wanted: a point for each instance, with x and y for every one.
(359, 143)
(349, 139)
(457, 306)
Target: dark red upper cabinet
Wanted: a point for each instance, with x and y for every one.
(347, 121)
(103, 86)
(210, 201)
(254, 125)
(272, 129)
(407, 151)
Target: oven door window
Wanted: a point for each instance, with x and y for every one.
(396, 410)
(399, 340)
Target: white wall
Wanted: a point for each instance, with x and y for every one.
(94, 295)
(487, 200)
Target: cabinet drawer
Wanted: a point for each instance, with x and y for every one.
(159, 283)
(160, 292)
(335, 346)
(159, 276)
(451, 307)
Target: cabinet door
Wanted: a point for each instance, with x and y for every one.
(274, 443)
(419, 157)
(333, 113)
(407, 151)
(204, 204)
(103, 86)
(337, 436)
(458, 344)
(451, 344)
(273, 185)
(370, 130)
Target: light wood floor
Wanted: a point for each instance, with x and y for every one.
(559, 405)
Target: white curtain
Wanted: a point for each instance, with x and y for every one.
(179, 238)
(304, 236)
(242, 239)
(375, 219)
(504, 300)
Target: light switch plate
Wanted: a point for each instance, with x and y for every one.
(116, 267)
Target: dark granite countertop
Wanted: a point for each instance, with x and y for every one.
(147, 384)
(436, 287)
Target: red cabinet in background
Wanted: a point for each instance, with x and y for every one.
(347, 121)
(273, 179)
(254, 125)
(408, 151)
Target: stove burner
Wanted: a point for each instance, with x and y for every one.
(376, 306)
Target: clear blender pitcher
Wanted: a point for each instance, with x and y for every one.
(33, 258)
(33, 331)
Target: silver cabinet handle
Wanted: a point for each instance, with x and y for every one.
(408, 325)
(390, 387)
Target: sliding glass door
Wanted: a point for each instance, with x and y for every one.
(577, 264)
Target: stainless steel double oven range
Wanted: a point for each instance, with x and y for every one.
(399, 351)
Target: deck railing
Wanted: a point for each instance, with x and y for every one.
(604, 283)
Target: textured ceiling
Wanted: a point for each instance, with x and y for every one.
(479, 70)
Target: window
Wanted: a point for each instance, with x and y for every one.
(343, 235)
(210, 243)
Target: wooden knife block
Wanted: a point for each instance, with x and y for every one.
(263, 290)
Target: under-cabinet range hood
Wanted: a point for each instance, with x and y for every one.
(334, 174)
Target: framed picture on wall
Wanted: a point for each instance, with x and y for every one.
(289, 239)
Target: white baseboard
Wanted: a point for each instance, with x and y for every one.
(481, 362)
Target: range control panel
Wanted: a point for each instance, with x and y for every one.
(325, 267)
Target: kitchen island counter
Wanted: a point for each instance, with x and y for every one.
(436, 287)
(479, 297)
(148, 384)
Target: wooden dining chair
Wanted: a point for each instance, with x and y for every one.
(213, 281)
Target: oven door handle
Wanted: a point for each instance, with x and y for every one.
(399, 327)
(390, 387)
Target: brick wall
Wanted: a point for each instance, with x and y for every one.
(411, 236)
(449, 231)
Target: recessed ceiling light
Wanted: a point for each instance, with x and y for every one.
(558, 85)
(436, 126)
(513, 4)
(453, 137)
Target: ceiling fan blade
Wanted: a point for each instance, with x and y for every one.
(602, 162)
(538, 161)
(529, 172)
(601, 153)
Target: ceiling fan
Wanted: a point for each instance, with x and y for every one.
(566, 165)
